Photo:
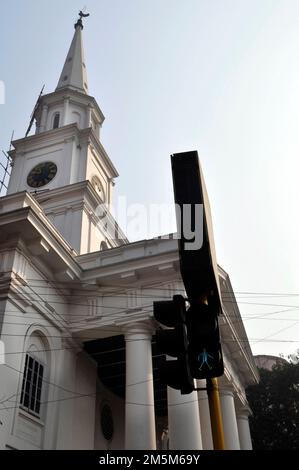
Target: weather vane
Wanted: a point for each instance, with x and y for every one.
(79, 21)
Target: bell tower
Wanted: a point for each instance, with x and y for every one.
(64, 163)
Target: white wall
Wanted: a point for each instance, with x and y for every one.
(118, 412)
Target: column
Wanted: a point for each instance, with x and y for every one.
(65, 118)
(43, 119)
(244, 429)
(140, 430)
(205, 418)
(88, 116)
(183, 421)
(230, 427)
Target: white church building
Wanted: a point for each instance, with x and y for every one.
(79, 369)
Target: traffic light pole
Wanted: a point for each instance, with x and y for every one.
(215, 412)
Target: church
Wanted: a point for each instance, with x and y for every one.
(80, 361)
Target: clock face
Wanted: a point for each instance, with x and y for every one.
(41, 174)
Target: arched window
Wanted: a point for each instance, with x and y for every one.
(36, 369)
(56, 120)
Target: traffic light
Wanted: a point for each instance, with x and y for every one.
(173, 341)
(199, 271)
(204, 349)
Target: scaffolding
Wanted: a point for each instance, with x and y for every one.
(5, 168)
(6, 162)
(5, 171)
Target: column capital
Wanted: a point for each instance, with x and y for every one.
(139, 330)
(226, 389)
(243, 413)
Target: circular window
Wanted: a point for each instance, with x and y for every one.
(107, 422)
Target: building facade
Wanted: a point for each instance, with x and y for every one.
(76, 301)
(266, 361)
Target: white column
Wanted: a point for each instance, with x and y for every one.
(231, 435)
(204, 415)
(65, 118)
(43, 119)
(88, 116)
(183, 421)
(244, 429)
(140, 430)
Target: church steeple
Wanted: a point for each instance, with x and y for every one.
(64, 162)
(74, 74)
(70, 103)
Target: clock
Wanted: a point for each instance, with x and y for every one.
(41, 174)
(98, 187)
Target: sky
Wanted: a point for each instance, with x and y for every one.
(217, 76)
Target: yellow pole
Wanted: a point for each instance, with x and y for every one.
(215, 412)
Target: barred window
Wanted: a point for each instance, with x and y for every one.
(32, 385)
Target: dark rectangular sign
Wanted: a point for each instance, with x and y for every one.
(197, 255)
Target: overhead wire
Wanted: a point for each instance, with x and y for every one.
(126, 309)
(72, 285)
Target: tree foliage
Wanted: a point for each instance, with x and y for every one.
(275, 406)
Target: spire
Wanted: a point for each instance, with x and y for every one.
(74, 74)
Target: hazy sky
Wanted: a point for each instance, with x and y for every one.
(217, 76)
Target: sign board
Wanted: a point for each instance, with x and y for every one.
(197, 252)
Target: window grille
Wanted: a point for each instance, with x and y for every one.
(32, 385)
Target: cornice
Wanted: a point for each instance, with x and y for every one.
(88, 136)
(238, 330)
(42, 227)
(47, 138)
(74, 95)
(115, 325)
(78, 196)
(23, 300)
